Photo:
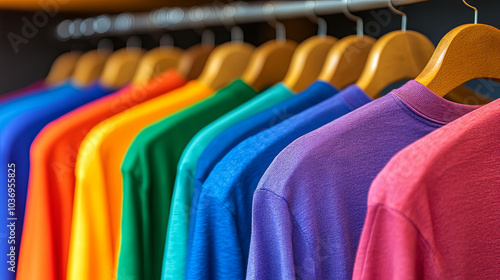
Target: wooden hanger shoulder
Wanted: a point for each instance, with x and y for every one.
(308, 61)
(397, 56)
(193, 60)
(269, 64)
(62, 68)
(89, 66)
(156, 61)
(346, 60)
(120, 67)
(226, 63)
(468, 52)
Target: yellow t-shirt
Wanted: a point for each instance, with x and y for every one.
(96, 223)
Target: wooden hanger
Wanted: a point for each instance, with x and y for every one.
(307, 62)
(121, 66)
(226, 63)
(346, 60)
(156, 61)
(89, 67)
(62, 68)
(193, 60)
(468, 52)
(465, 95)
(397, 56)
(308, 59)
(269, 64)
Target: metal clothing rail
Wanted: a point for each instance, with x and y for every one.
(200, 17)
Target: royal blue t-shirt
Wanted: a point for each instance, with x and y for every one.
(20, 125)
(232, 136)
(221, 234)
(11, 108)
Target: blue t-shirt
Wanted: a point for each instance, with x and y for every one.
(11, 108)
(221, 234)
(20, 125)
(232, 136)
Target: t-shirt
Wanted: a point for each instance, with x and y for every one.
(16, 106)
(232, 136)
(17, 135)
(229, 138)
(434, 210)
(221, 234)
(46, 233)
(149, 171)
(32, 88)
(95, 229)
(174, 258)
(309, 208)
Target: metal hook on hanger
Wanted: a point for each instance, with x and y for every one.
(197, 15)
(476, 12)
(404, 19)
(134, 42)
(166, 41)
(357, 19)
(321, 22)
(104, 45)
(228, 15)
(268, 8)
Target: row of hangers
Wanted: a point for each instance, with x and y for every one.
(466, 53)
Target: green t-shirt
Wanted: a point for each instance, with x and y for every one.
(149, 170)
(174, 259)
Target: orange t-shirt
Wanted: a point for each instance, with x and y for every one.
(49, 206)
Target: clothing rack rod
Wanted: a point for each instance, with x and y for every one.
(206, 16)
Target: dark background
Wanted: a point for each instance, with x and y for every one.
(433, 18)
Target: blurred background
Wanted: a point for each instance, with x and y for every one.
(24, 60)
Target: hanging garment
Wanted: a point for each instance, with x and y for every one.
(97, 208)
(45, 240)
(33, 88)
(229, 138)
(174, 258)
(310, 205)
(221, 234)
(16, 106)
(17, 135)
(149, 170)
(434, 210)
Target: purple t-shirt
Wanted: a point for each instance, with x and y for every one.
(310, 205)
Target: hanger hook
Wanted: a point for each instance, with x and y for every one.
(321, 22)
(357, 19)
(104, 45)
(197, 15)
(228, 13)
(403, 21)
(475, 11)
(166, 41)
(134, 42)
(278, 26)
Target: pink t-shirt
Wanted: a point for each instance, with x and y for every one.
(434, 210)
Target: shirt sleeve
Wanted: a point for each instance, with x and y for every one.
(391, 247)
(271, 249)
(215, 251)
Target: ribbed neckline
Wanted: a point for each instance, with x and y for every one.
(429, 105)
